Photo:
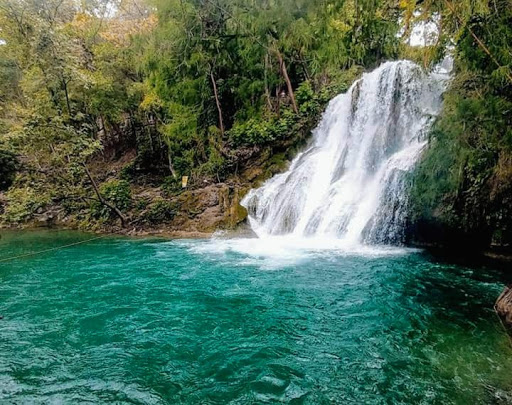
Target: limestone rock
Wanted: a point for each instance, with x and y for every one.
(503, 308)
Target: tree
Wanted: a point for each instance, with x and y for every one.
(71, 87)
(191, 87)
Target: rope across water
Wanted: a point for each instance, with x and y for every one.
(49, 250)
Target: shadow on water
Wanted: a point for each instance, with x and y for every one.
(459, 325)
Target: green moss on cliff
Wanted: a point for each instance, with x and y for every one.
(462, 191)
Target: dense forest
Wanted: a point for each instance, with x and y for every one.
(105, 106)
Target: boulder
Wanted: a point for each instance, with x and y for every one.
(503, 308)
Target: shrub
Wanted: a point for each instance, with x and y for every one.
(23, 203)
(159, 211)
(171, 186)
(304, 92)
(128, 171)
(262, 131)
(216, 166)
(116, 192)
(8, 168)
(252, 132)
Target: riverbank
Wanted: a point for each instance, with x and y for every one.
(189, 213)
(116, 231)
(498, 257)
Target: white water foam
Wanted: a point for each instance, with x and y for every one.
(277, 252)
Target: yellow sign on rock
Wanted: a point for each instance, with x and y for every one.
(184, 181)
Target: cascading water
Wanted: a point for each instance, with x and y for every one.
(351, 183)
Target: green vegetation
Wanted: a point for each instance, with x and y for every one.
(464, 183)
(159, 211)
(226, 74)
(8, 168)
(117, 193)
(186, 88)
(103, 99)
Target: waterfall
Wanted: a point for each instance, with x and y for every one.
(351, 183)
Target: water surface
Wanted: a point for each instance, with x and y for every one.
(214, 322)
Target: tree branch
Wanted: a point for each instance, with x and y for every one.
(217, 101)
(102, 200)
(478, 40)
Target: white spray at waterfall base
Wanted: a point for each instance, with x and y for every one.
(351, 184)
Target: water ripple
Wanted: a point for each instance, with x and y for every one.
(154, 322)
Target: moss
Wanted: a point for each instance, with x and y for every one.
(241, 214)
(463, 181)
(276, 164)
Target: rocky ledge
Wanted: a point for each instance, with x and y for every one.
(503, 308)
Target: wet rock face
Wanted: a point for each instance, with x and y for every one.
(503, 308)
(209, 209)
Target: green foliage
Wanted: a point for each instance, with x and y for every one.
(8, 168)
(22, 203)
(171, 186)
(276, 164)
(465, 177)
(218, 62)
(164, 86)
(253, 132)
(437, 177)
(70, 92)
(261, 131)
(215, 168)
(116, 192)
(159, 211)
(128, 171)
(305, 95)
(264, 130)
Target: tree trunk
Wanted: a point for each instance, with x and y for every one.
(284, 72)
(478, 40)
(148, 130)
(267, 91)
(305, 69)
(221, 121)
(171, 167)
(113, 208)
(65, 88)
(278, 106)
